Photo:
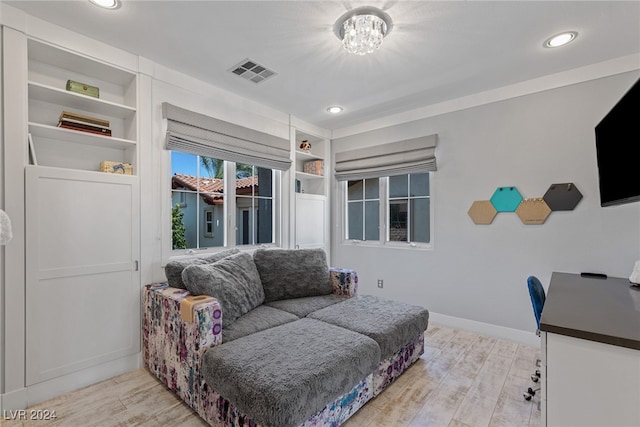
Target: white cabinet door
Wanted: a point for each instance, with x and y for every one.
(83, 290)
(310, 221)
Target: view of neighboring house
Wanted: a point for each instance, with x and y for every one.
(201, 200)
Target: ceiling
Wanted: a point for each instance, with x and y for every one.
(436, 51)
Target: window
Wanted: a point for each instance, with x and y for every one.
(199, 206)
(408, 207)
(197, 201)
(400, 206)
(254, 205)
(363, 209)
(208, 222)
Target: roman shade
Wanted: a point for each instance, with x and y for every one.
(396, 158)
(196, 133)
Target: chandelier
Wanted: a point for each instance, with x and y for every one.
(362, 30)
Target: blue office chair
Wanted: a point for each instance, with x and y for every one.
(538, 297)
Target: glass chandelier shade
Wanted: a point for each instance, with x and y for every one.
(362, 30)
(363, 34)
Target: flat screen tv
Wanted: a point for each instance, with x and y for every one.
(617, 146)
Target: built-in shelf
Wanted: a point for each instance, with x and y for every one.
(49, 69)
(304, 175)
(77, 137)
(75, 101)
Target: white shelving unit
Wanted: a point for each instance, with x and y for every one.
(311, 190)
(49, 68)
(82, 225)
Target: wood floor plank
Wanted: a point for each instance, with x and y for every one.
(463, 380)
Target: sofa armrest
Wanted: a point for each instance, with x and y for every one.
(344, 281)
(173, 347)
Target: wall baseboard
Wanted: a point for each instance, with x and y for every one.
(16, 399)
(516, 335)
(25, 397)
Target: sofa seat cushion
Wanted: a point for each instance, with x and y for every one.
(293, 273)
(301, 307)
(233, 281)
(391, 324)
(282, 376)
(256, 320)
(173, 270)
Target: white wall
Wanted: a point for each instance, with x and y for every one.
(478, 272)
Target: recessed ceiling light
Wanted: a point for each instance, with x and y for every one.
(107, 4)
(335, 109)
(561, 39)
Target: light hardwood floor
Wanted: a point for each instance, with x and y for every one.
(462, 380)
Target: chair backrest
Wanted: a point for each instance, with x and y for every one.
(536, 292)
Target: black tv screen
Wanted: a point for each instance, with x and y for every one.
(617, 146)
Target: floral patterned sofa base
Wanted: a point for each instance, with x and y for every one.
(173, 350)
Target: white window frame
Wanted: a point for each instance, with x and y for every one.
(229, 215)
(207, 222)
(384, 219)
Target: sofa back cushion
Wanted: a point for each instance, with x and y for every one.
(173, 269)
(292, 273)
(233, 281)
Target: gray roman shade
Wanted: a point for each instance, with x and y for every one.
(196, 133)
(395, 158)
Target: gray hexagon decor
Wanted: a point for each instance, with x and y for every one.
(562, 197)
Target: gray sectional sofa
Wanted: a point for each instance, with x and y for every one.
(284, 341)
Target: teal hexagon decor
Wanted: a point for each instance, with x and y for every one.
(506, 199)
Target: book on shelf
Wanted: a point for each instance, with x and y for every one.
(68, 115)
(84, 128)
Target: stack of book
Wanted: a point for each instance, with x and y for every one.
(82, 123)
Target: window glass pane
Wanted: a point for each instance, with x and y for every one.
(197, 184)
(398, 186)
(211, 168)
(355, 190)
(420, 225)
(264, 221)
(265, 182)
(212, 210)
(254, 205)
(178, 228)
(419, 184)
(184, 227)
(398, 221)
(372, 188)
(355, 221)
(372, 220)
(183, 163)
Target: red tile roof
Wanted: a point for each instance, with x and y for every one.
(212, 185)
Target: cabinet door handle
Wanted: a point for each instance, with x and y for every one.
(136, 265)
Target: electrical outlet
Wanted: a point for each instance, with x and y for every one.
(380, 283)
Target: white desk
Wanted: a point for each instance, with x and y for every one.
(590, 331)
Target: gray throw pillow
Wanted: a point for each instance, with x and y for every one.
(173, 269)
(233, 281)
(292, 273)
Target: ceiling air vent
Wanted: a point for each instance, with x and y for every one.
(251, 70)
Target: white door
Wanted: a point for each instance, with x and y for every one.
(83, 284)
(310, 221)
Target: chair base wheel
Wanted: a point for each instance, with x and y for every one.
(527, 396)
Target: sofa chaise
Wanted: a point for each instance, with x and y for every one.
(275, 338)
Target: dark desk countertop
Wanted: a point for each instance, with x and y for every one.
(602, 310)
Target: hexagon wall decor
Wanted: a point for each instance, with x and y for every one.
(533, 211)
(506, 199)
(563, 197)
(482, 212)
